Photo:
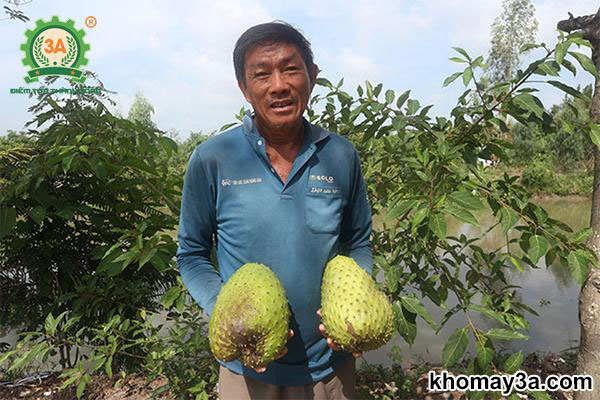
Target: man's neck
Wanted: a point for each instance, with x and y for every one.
(284, 139)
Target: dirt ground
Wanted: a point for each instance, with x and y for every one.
(135, 387)
(102, 387)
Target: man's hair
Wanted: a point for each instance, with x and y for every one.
(269, 33)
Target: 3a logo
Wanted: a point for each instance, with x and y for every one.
(55, 48)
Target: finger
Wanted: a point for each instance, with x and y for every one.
(260, 370)
(332, 345)
(319, 313)
(290, 334)
(282, 353)
(322, 330)
(357, 354)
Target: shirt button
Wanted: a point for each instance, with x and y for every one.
(259, 142)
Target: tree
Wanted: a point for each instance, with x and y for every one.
(512, 29)
(141, 111)
(588, 360)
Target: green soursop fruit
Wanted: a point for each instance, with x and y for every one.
(357, 316)
(250, 318)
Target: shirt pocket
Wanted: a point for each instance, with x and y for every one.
(323, 213)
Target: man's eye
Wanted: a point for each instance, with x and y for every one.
(260, 75)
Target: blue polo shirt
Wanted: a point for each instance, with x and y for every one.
(232, 194)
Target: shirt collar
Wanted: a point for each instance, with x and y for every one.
(313, 133)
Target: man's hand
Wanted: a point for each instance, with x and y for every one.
(282, 353)
(330, 342)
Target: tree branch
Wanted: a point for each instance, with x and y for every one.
(589, 25)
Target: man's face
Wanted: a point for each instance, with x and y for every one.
(278, 84)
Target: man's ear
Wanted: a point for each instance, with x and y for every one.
(313, 75)
(242, 87)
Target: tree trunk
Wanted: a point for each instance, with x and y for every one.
(588, 359)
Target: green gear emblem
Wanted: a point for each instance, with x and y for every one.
(55, 48)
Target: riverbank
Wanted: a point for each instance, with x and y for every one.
(544, 179)
(374, 382)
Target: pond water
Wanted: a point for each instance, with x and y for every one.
(551, 291)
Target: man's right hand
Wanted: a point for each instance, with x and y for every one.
(334, 346)
(282, 353)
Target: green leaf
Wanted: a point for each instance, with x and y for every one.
(455, 347)
(169, 297)
(578, 265)
(548, 68)
(462, 52)
(569, 90)
(586, 63)
(529, 102)
(399, 210)
(402, 99)
(538, 245)
(505, 334)
(513, 363)
(595, 134)
(561, 51)
(168, 144)
(418, 218)
(80, 388)
(369, 89)
(583, 235)
(488, 312)
(485, 355)
(570, 66)
(467, 75)
(415, 306)
(437, 223)
(66, 163)
(458, 60)
(389, 96)
(406, 328)
(451, 78)
(324, 82)
(515, 262)
(462, 214)
(466, 200)
(528, 46)
(412, 106)
(50, 325)
(8, 219)
(108, 366)
(508, 219)
(37, 214)
(146, 255)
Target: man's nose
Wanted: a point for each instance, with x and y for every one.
(278, 83)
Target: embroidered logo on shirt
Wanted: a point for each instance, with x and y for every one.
(234, 182)
(322, 178)
(325, 190)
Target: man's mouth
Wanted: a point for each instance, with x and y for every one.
(281, 105)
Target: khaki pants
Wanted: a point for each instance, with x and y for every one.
(337, 386)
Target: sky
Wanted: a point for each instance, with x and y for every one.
(179, 54)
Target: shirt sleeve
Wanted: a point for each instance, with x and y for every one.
(356, 223)
(197, 224)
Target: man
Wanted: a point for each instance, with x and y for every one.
(282, 192)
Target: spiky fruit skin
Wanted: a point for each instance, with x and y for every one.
(357, 316)
(250, 318)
